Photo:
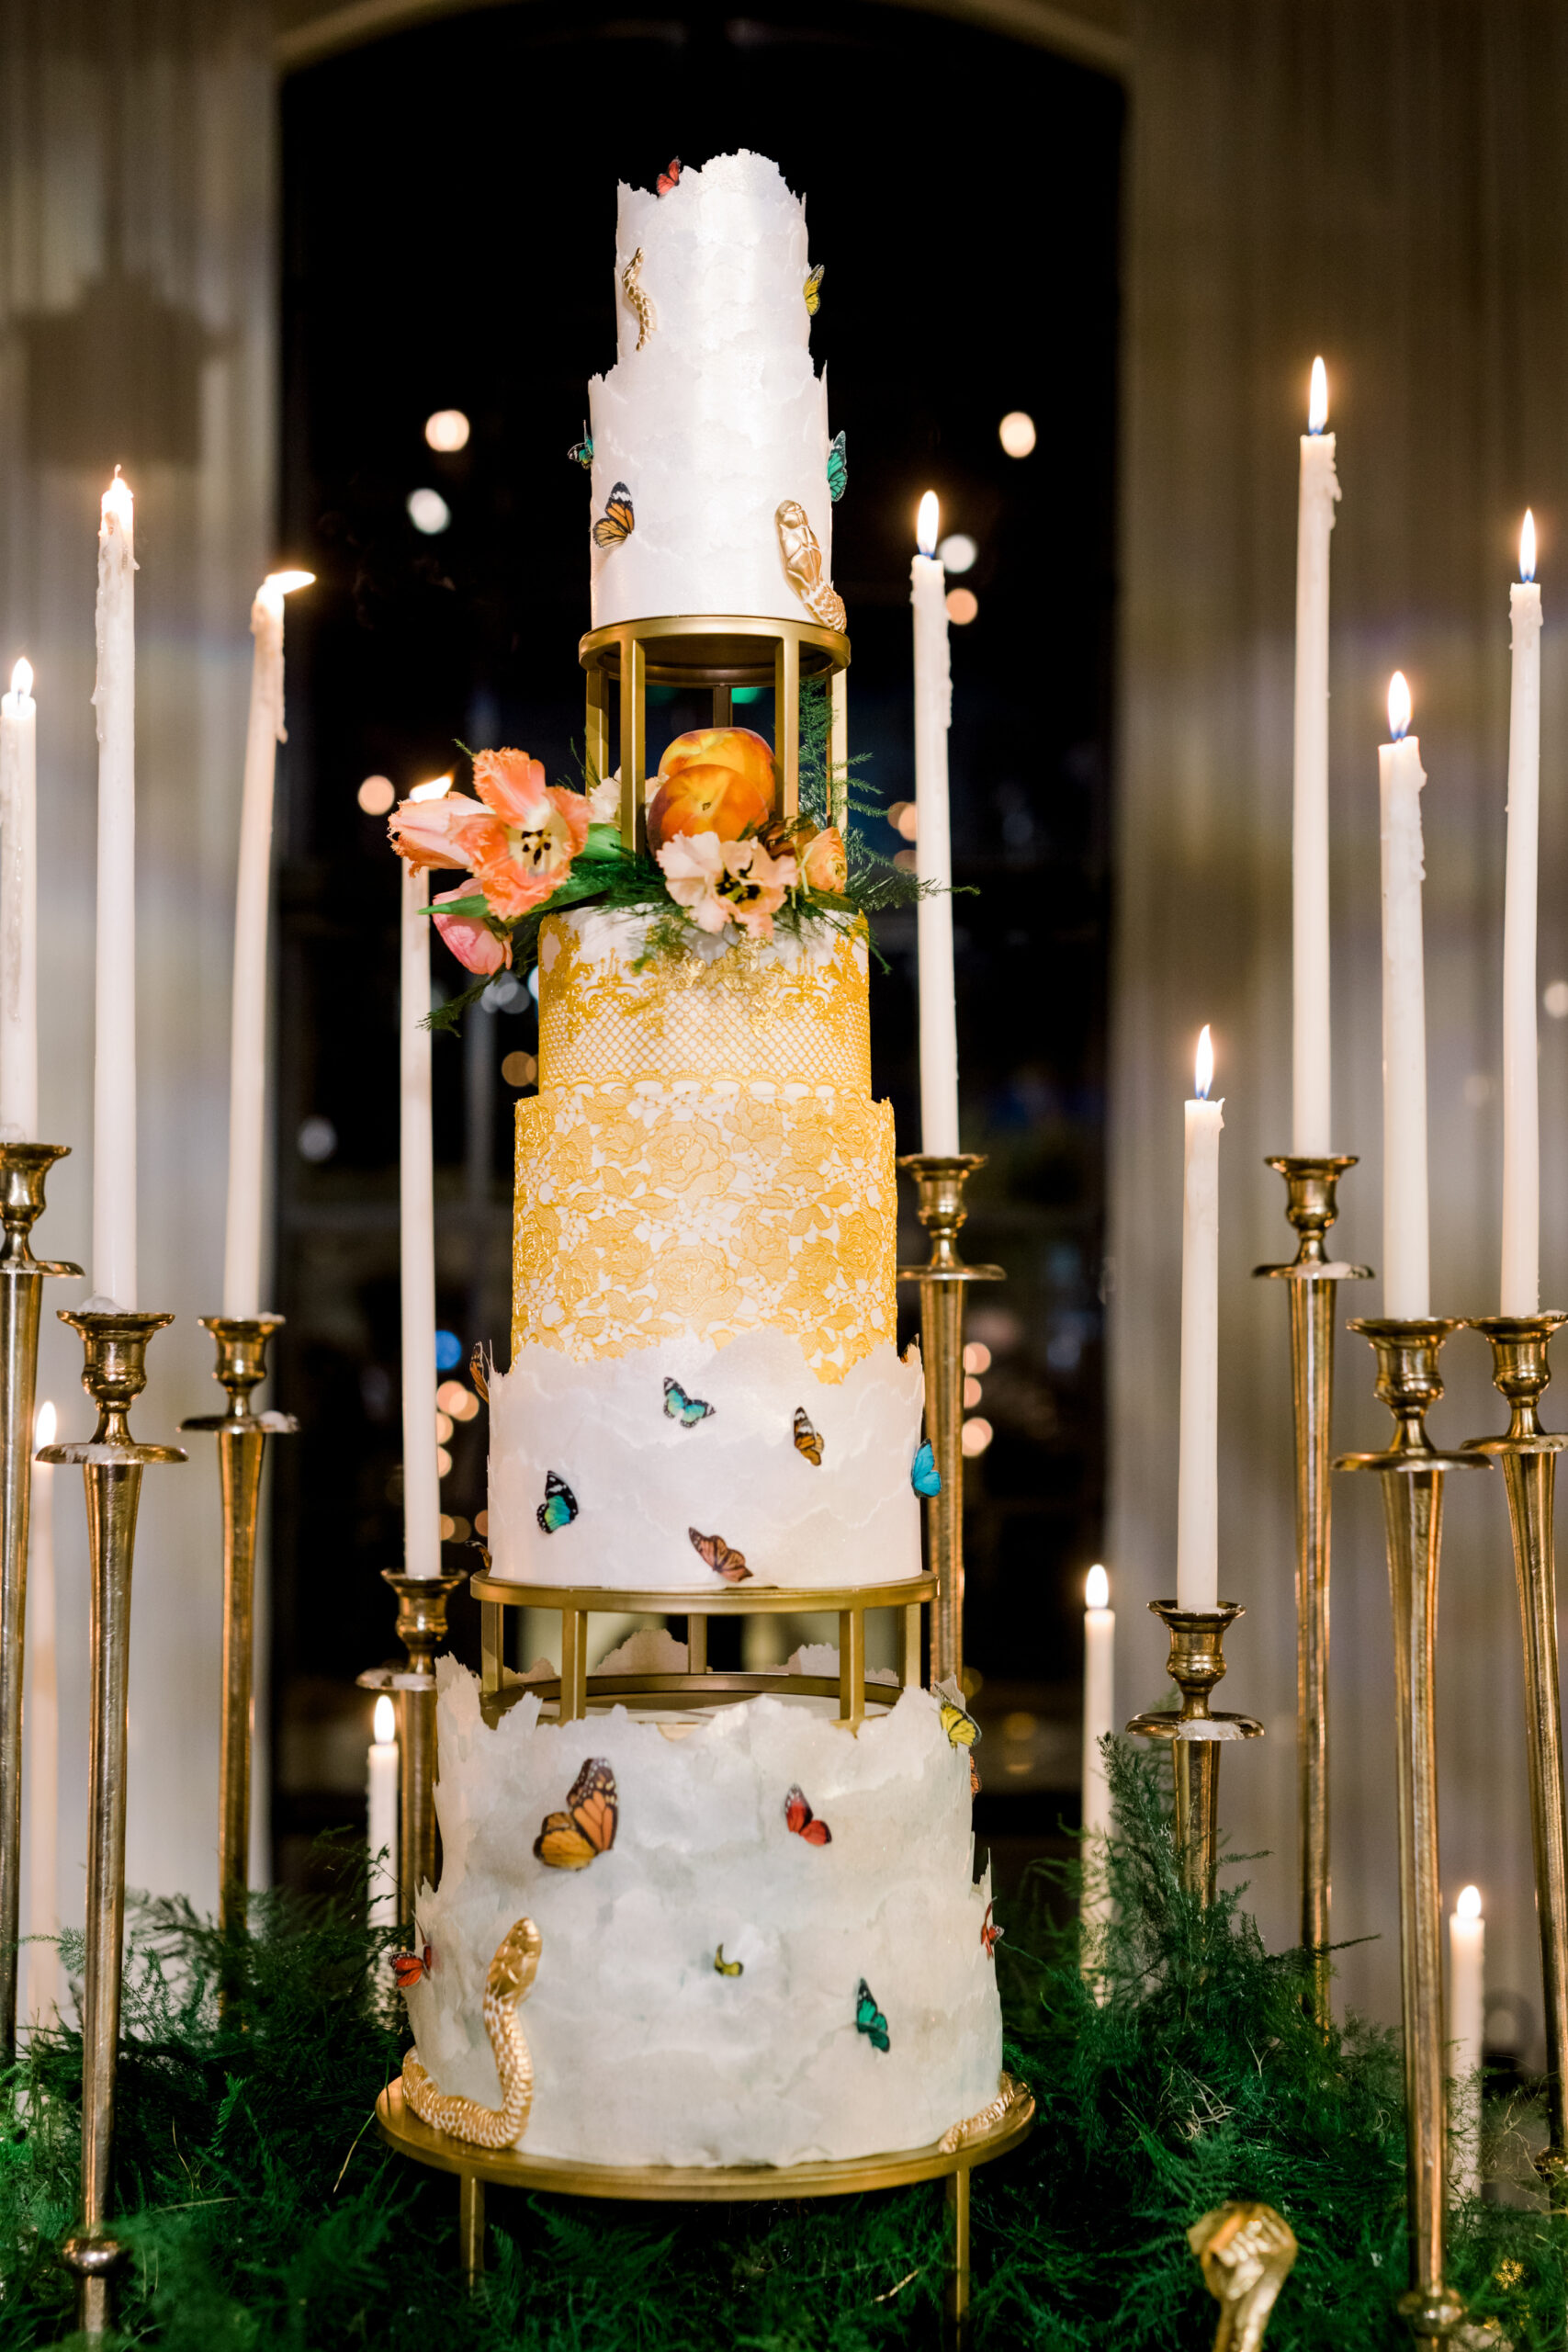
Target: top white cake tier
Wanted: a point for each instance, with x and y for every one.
(720, 416)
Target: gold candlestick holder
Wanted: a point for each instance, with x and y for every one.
(242, 1436)
(422, 1628)
(940, 1184)
(1196, 1664)
(115, 1345)
(1312, 1206)
(1413, 1470)
(1528, 1456)
(23, 1170)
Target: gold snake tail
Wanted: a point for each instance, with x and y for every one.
(507, 1984)
(632, 289)
(802, 554)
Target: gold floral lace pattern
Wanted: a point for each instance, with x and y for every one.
(754, 1011)
(656, 1212)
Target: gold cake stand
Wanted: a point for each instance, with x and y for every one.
(478, 2168)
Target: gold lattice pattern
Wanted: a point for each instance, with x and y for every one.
(656, 1212)
(746, 1015)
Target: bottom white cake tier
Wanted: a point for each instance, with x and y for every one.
(643, 2052)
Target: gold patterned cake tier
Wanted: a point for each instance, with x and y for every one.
(794, 1011)
(679, 1209)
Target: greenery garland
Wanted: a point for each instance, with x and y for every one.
(262, 2210)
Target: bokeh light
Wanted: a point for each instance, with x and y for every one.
(976, 1435)
(377, 795)
(1016, 433)
(447, 430)
(428, 512)
(962, 606)
(958, 552)
(519, 1070)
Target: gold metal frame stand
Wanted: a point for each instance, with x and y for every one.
(421, 1629)
(1196, 1662)
(1528, 1456)
(115, 1346)
(1311, 1205)
(940, 1184)
(242, 1436)
(24, 1169)
(1413, 1470)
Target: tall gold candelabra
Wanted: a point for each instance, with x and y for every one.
(242, 1436)
(422, 1628)
(1413, 1470)
(1196, 1662)
(1528, 1456)
(24, 1169)
(1311, 1205)
(115, 1345)
(940, 1183)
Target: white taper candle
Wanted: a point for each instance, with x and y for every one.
(18, 910)
(1467, 2021)
(1405, 1257)
(382, 1796)
(422, 1482)
(1520, 1285)
(1198, 1491)
(933, 853)
(114, 1021)
(1312, 1121)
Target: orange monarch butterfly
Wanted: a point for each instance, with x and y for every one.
(617, 522)
(408, 1967)
(668, 179)
(804, 1822)
(570, 1840)
(808, 1440)
(991, 1937)
(720, 1557)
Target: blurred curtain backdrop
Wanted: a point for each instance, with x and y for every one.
(1386, 182)
(137, 324)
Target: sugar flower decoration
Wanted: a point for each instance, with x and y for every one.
(522, 842)
(724, 883)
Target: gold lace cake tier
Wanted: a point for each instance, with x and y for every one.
(655, 1212)
(794, 1011)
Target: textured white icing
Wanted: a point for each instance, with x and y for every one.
(720, 416)
(642, 1481)
(616, 937)
(642, 2052)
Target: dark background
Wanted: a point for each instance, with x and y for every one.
(449, 215)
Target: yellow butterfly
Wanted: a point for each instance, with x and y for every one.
(570, 1840)
(962, 1729)
(617, 522)
(723, 1967)
(808, 1440)
(814, 289)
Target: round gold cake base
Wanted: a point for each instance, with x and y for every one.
(709, 2185)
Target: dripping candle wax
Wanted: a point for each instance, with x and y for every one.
(933, 856)
(1311, 1128)
(1521, 1103)
(1197, 1501)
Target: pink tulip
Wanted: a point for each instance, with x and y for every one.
(428, 833)
(470, 937)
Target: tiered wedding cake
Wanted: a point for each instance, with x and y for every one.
(758, 1941)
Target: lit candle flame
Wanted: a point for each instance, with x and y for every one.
(286, 582)
(1398, 706)
(22, 680)
(1205, 1067)
(1468, 1905)
(436, 790)
(386, 1722)
(1317, 399)
(118, 501)
(1097, 1589)
(1527, 547)
(927, 524)
(44, 1425)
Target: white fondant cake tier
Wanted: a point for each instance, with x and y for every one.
(643, 2052)
(642, 1476)
(720, 416)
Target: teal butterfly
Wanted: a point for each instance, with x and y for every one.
(678, 1406)
(582, 452)
(838, 469)
(869, 2019)
(558, 1507)
(925, 1477)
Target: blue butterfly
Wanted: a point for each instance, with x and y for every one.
(925, 1477)
(582, 452)
(869, 2019)
(558, 1507)
(678, 1406)
(838, 469)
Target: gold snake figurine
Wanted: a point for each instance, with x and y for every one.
(1245, 2252)
(508, 1983)
(631, 286)
(803, 566)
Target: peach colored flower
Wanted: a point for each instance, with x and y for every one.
(825, 865)
(470, 937)
(523, 849)
(693, 865)
(721, 882)
(428, 833)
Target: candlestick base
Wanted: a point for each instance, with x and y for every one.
(1196, 1664)
(940, 1183)
(422, 1628)
(24, 1170)
(1312, 1205)
(1528, 1457)
(115, 1372)
(243, 1343)
(1413, 1470)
